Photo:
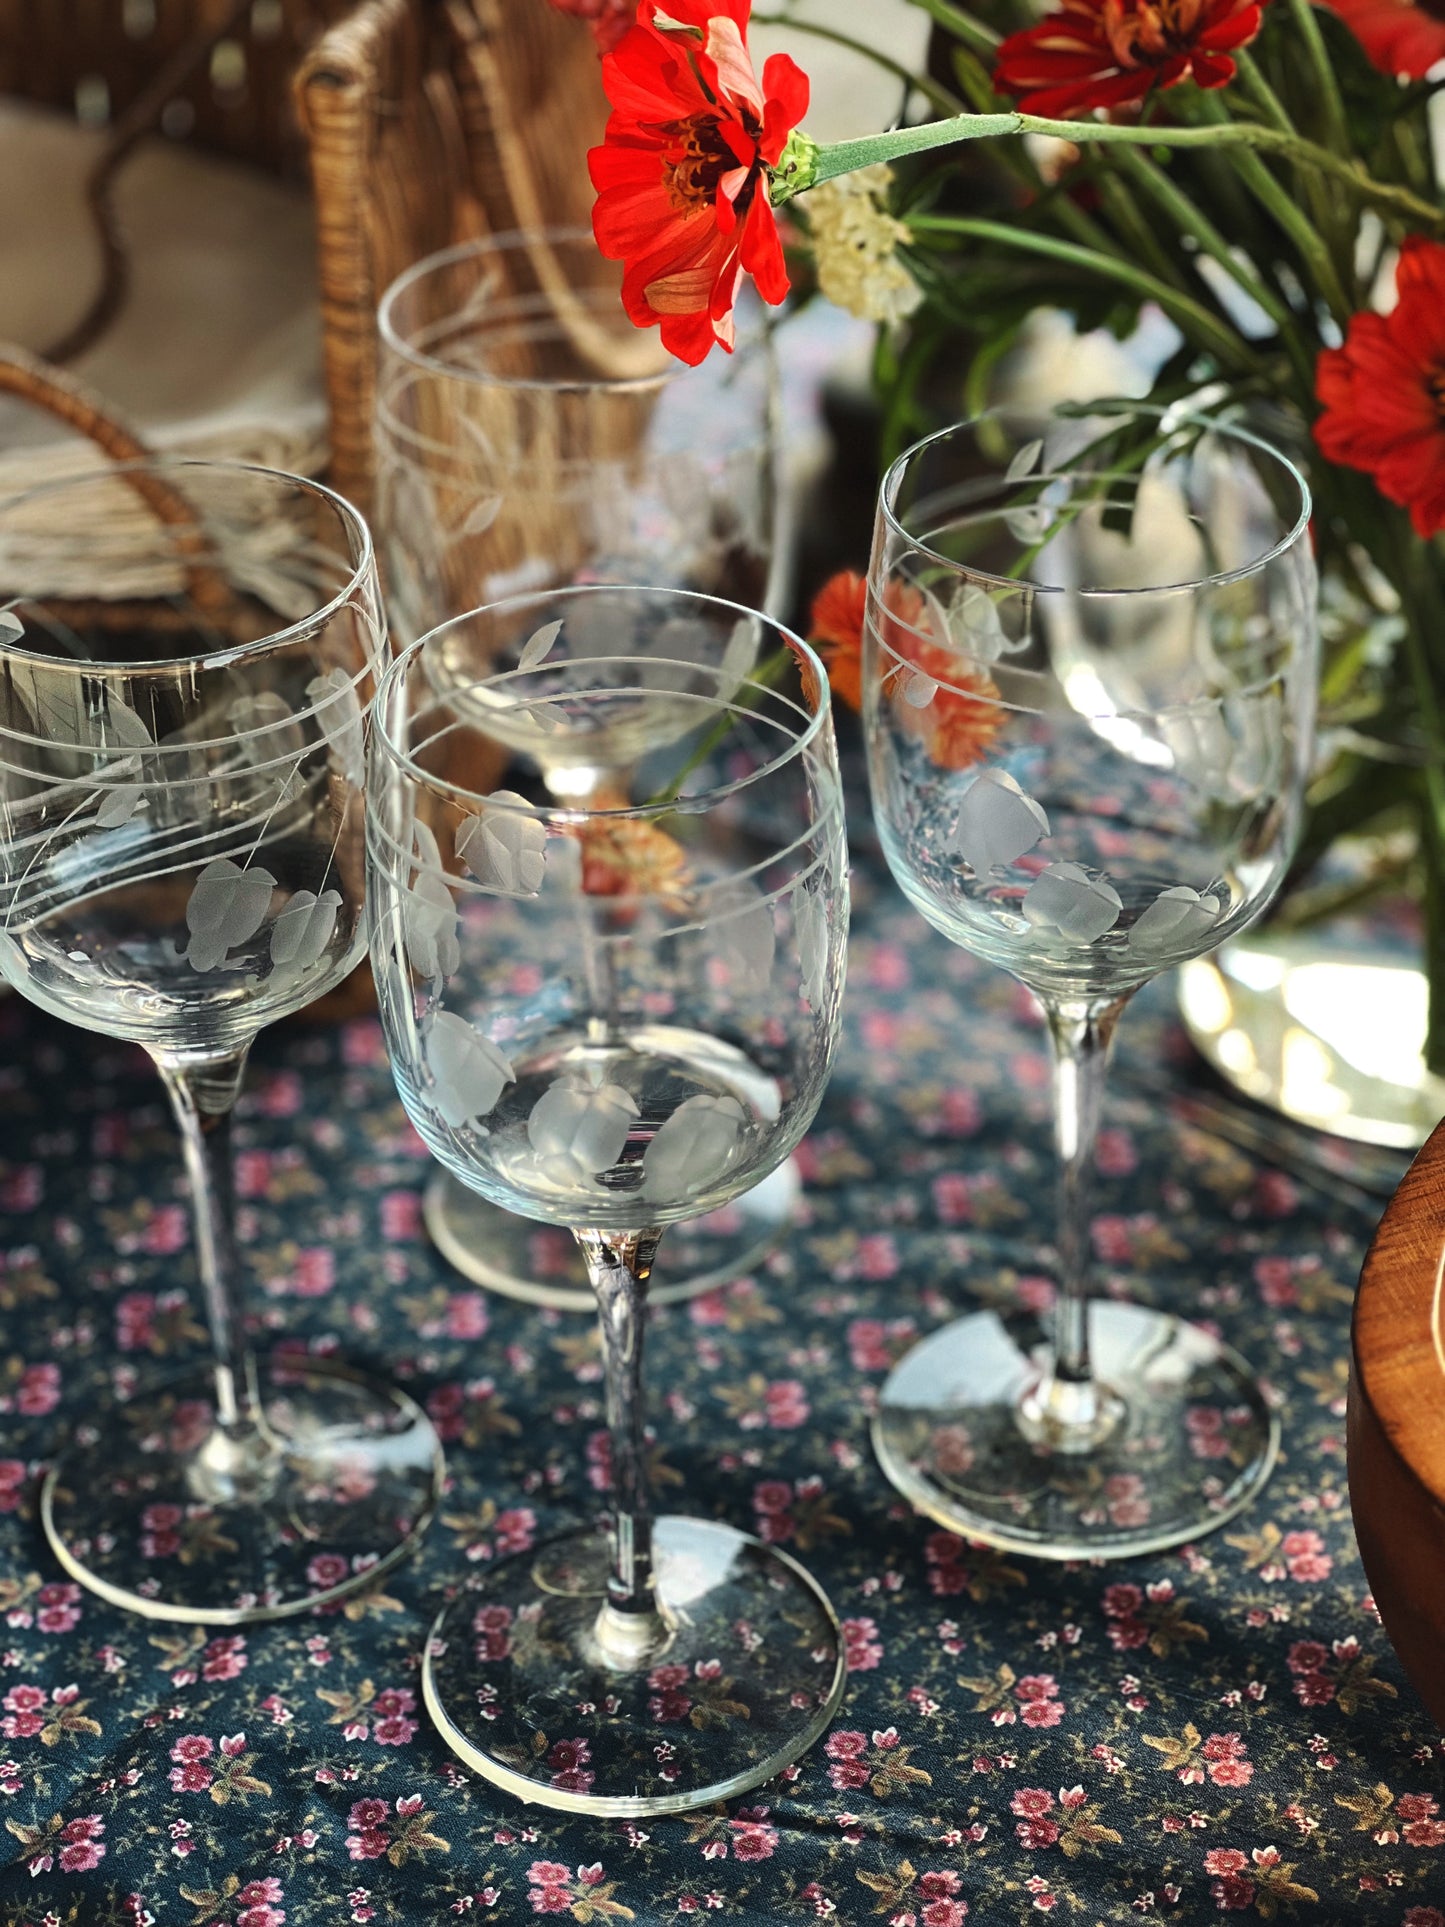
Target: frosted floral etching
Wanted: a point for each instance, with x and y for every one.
(1067, 899)
(505, 849)
(694, 1148)
(300, 935)
(810, 921)
(1179, 918)
(338, 713)
(227, 907)
(997, 823)
(578, 1129)
(468, 1072)
(428, 912)
(743, 939)
(539, 645)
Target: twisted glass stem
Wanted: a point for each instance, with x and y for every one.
(630, 1630)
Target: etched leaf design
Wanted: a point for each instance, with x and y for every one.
(301, 933)
(743, 938)
(694, 1148)
(919, 690)
(479, 517)
(505, 849)
(1024, 462)
(1067, 899)
(1179, 918)
(538, 645)
(578, 1130)
(227, 905)
(741, 652)
(119, 804)
(12, 629)
(118, 727)
(810, 921)
(338, 714)
(997, 823)
(468, 1072)
(428, 912)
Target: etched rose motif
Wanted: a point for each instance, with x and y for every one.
(468, 1072)
(505, 849)
(694, 1148)
(1178, 919)
(997, 823)
(579, 1130)
(227, 906)
(1067, 899)
(428, 912)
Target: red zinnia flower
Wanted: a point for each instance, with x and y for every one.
(1399, 36)
(1106, 53)
(1383, 392)
(681, 176)
(609, 19)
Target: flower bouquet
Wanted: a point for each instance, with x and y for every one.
(1261, 174)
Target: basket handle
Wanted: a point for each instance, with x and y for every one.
(33, 380)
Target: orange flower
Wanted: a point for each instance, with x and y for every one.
(630, 857)
(959, 719)
(835, 627)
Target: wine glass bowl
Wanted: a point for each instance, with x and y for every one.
(1089, 685)
(181, 863)
(613, 1018)
(529, 437)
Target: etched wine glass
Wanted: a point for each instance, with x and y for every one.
(1089, 678)
(187, 668)
(527, 437)
(612, 1019)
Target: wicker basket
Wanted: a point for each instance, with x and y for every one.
(422, 122)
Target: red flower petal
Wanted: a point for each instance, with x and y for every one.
(1095, 54)
(681, 177)
(1398, 36)
(1382, 393)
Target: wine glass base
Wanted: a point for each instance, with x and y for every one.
(500, 1251)
(752, 1676)
(1195, 1442)
(346, 1491)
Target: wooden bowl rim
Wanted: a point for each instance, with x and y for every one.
(1398, 1327)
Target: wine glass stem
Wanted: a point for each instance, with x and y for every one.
(203, 1095)
(1070, 1407)
(630, 1630)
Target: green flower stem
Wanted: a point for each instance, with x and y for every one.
(1206, 330)
(973, 33)
(1144, 244)
(1323, 210)
(1323, 83)
(1190, 219)
(939, 97)
(806, 163)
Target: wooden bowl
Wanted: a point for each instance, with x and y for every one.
(1397, 1422)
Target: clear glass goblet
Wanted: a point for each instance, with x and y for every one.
(188, 659)
(612, 1018)
(1089, 681)
(529, 437)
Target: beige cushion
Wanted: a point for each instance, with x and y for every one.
(218, 345)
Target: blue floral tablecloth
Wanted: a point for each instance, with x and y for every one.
(1220, 1730)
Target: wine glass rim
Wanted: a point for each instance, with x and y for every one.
(815, 721)
(1119, 406)
(347, 513)
(479, 247)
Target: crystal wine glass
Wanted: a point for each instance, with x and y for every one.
(187, 668)
(1089, 680)
(528, 436)
(612, 1018)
